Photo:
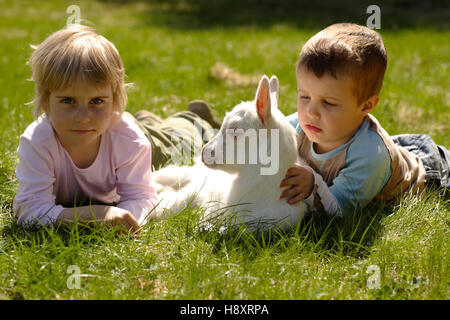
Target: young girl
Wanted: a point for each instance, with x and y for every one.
(83, 154)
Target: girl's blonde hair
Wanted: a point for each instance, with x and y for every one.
(74, 53)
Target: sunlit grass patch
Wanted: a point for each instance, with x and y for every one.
(322, 258)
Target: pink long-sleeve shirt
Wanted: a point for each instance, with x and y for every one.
(49, 181)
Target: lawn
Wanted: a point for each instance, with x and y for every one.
(399, 251)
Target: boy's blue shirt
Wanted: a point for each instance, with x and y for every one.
(367, 167)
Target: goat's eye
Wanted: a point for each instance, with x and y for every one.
(233, 132)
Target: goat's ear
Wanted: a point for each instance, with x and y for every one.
(263, 104)
(274, 88)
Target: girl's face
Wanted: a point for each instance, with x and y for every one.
(80, 114)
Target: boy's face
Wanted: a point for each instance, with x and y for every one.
(80, 113)
(328, 111)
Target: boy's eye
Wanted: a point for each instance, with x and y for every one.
(329, 103)
(304, 97)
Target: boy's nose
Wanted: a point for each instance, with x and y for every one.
(313, 111)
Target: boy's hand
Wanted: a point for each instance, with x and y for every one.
(119, 217)
(300, 179)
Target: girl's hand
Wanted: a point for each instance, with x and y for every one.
(106, 216)
(300, 179)
(119, 217)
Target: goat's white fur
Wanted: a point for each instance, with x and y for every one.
(254, 199)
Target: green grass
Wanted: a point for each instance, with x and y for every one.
(168, 55)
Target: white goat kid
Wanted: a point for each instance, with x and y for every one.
(245, 188)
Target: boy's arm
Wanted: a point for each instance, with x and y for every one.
(354, 187)
(322, 199)
(364, 176)
(366, 172)
(309, 187)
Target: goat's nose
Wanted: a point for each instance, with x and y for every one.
(203, 156)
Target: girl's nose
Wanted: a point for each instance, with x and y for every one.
(83, 114)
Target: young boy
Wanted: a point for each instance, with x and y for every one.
(339, 75)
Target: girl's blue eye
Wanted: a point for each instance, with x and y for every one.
(96, 101)
(68, 101)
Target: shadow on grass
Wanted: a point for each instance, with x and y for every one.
(306, 14)
(352, 235)
(52, 239)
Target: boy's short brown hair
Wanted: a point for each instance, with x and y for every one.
(347, 49)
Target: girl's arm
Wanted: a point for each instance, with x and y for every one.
(133, 159)
(35, 202)
(106, 215)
